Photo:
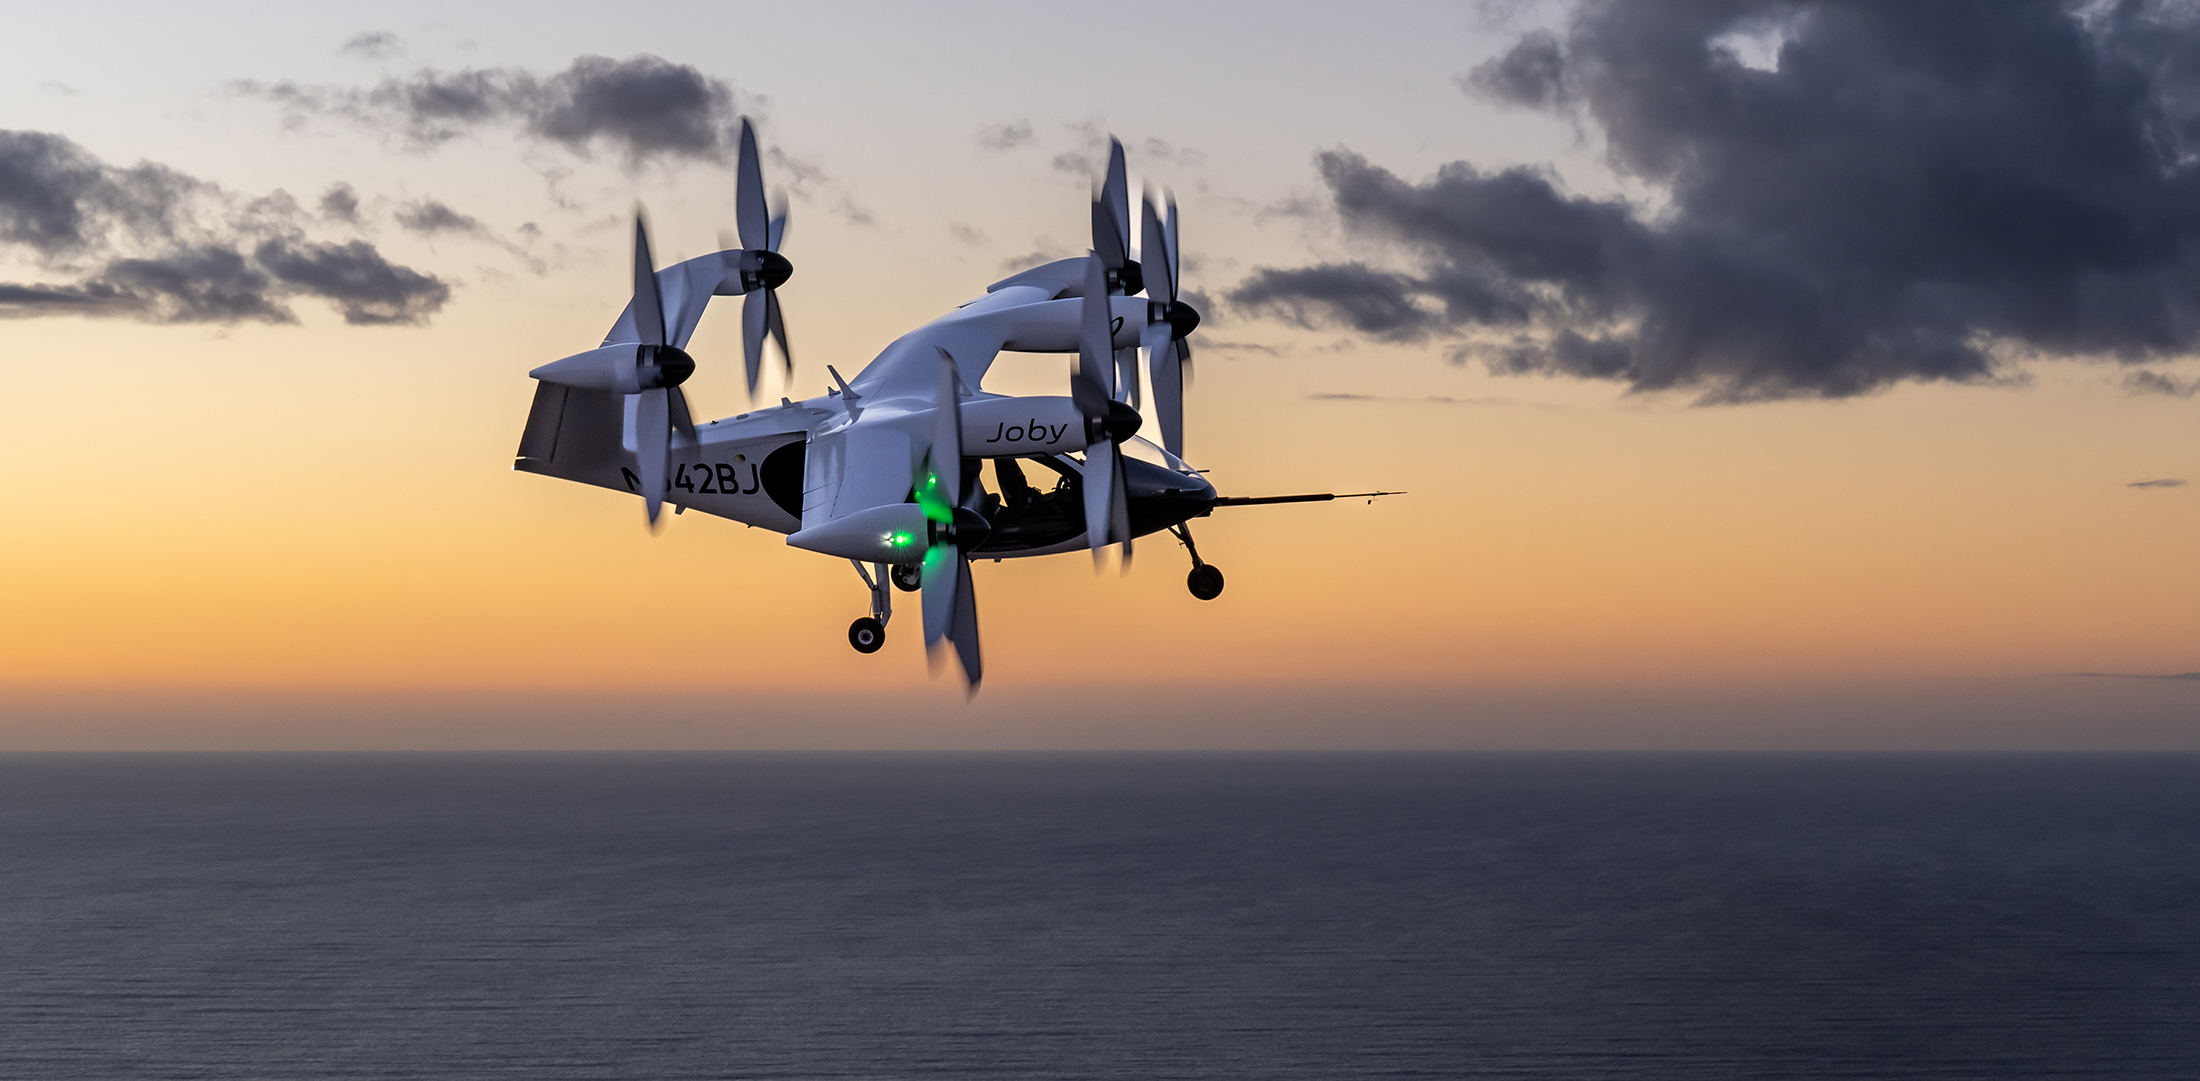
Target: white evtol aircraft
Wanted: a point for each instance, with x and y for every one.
(885, 469)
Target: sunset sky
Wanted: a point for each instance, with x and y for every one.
(1881, 480)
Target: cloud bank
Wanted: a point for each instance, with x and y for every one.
(147, 242)
(1856, 194)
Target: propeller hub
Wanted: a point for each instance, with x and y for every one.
(968, 531)
(775, 270)
(1120, 423)
(761, 269)
(1181, 317)
(1128, 280)
(664, 366)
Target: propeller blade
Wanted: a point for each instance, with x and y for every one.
(947, 421)
(652, 436)
(777, 324)
(649, 307)
(1101, 473)
(1119, 506)
(1184, 359)
(951, 611)
(749, 213)
(683, 421)
(1157, 258)
(1126, 375)
(938, 485)
(755, 312)
(950, 605)
(942, 566)
(1107, 239)
(1088, 384)
(963, 630)
(1169, 244)
(775, 232)
(1116, 193)
(1165, 374)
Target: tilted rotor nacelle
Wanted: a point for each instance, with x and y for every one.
(626, 368)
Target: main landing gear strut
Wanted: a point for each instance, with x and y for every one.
(1205, 581)
(869, 633)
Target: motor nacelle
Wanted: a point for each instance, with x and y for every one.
(624, 369)
(1022, 427)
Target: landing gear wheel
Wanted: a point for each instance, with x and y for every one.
(908, 577)
(1205, 582)
(867, 635)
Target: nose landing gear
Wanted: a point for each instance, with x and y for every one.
(908, 577)
(869, 633)
(1205, 581)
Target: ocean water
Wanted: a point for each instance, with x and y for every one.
(1502, 916)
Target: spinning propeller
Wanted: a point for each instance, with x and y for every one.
(763, 270)
(649, 369)
(1111, 242)
(1168, 355)
(952, 531)
(1108, 421)
(660, 367)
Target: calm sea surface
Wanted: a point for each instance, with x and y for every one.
(459, 917)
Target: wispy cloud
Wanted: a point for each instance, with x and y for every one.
(373, 45)
(1426, 399)
(2166, 482)
(2138, 675)
(1005, 136)
(643, 109)
(2146, 382)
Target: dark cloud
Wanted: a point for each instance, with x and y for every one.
(377, 45)
(1006, 136)
(967, 233)
(2146, 382)
(59, 200)
(429, 217)
(2138, 675)
(643, 106)
(146, 242)
(1532, 73)
(641, 109)
(2164, 483)
(340, 203)
(1211, 313)
(1892, 192)
(1373, 302)
(369, 289)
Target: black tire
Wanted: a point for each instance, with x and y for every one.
(867, 635)
(1205, 582)
(907, 577)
